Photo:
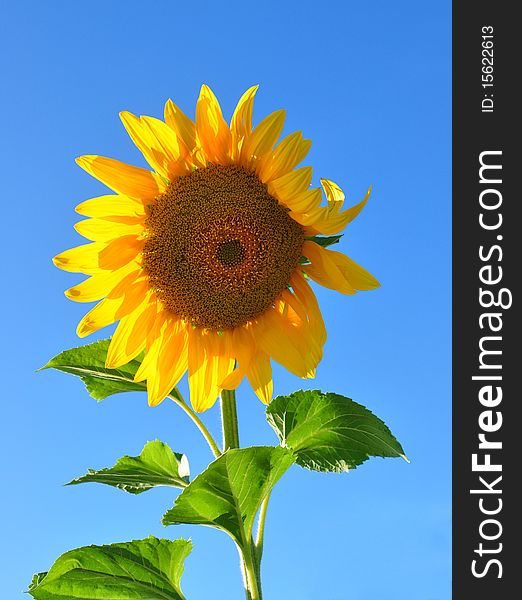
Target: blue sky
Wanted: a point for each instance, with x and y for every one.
(369, 83)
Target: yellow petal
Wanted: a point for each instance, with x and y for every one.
(313, 212)
(130, 335)
(197, 371)
(350, 213)
(119, 252)
(147, 369)
(209, 363)
(331, 221)
(111, 206)
(336, 270)
(264, 136)
(145, 141)
(96, 256)
(358, 277)
(243, 350)
(101, 230)
(100, 284)
(294, 302)
(122, 178)
(183, 126)
(307, 335)
(274, 337)
(259, 375)
(306, 297)
(81, 259)
(233, 380)
(133, 294)
(212, 130)
(285, 157)
(304, 205)
(241, 122)
(324, 269)
(302, 337)
(334, 194)
(287, 187)
(103, 314)
(167, 148)
(171, 363)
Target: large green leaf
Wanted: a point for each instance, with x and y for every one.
(228, 494)
(88, 362)
(147, 569)
(329, 432)
(156, 465)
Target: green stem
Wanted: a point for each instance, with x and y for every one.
(261, 528)
(229, 419)
(253, 588)
(178, 399)
(258, 546)
(230, 441)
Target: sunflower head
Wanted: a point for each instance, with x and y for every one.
(205, 260)
(220, 248)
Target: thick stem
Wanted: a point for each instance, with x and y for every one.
(178, 399)
(253, 588)
(261, 528)
(247, 549)
(258, 546)
(244, 574)
(229, 420)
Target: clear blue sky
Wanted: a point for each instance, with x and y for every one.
(369, 83)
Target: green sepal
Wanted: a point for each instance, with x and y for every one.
(325, 241)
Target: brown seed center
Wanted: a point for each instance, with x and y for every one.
(230, 253)
(220, 248)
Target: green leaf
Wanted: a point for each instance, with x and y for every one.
(228, 494)
(329, 432)
(88, 363)
(156, 465)
(37, 579)
(325, 241)
(147, 569)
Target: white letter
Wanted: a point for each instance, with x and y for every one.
(487, 466)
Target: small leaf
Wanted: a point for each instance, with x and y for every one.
(147, 569)
(329, 432)
(228, 494)
(156, 465)
(88, 363)
(325, 241)
(37, 579)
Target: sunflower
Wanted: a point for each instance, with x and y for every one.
(205, 261)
